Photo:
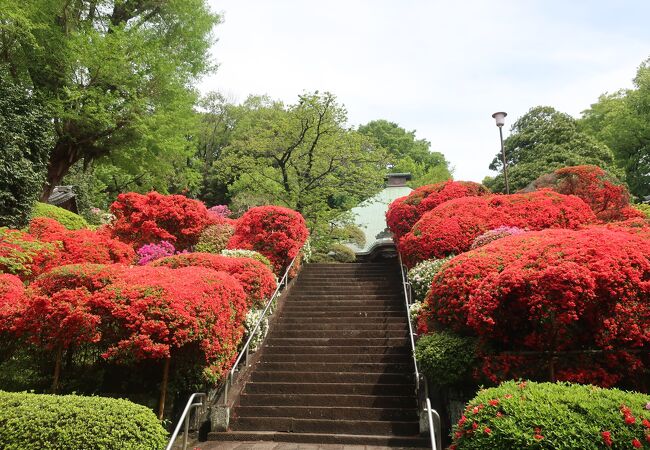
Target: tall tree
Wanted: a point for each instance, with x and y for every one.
(25, 140)
(116, 74)
(543, 140)
(408, 154)
(622, 121)
(302, 156)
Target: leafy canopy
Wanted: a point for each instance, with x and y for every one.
(541, 141)
(408, 154)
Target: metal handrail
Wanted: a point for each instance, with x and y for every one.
(435, 437)
(244, 351)
(185, 419)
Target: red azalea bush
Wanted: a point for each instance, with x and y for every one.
(450, 229)
(607, 197)
(80, 246)
(134, 313)
(276, 232)
(256, 279)
(552, 291)
(12, 291)
(23, 255)
(404, 212)
(153, 217)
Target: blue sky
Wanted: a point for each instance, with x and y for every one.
(438, 67)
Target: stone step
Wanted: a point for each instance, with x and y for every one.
(329, 334)
(296, 425)
(333, 310)
(340, 342)
(307, 296)
(367, 401)
(342, 314)
(360, 304)
(351, 320)
(334, 326)
(398, 358)
(348, 366)
(328, 413)
(312, 349)
(411, 442)
(330, 377)
(301, 388)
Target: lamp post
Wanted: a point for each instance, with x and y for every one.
(500, 118)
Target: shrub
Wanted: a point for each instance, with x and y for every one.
(241, 253)
(421, 275)
(21, 254)
(25, 144)
(12, 291)
(214, 238)
(152, 252)
(445, 358)
(342, 253)
(68, 219)
(145, 219)
(521, 415)
(252, 318)
(644, 208)
(608, 198)
(220, 211)
(404, 212)
(137, 313)
(552, 291)
(256, 279)
(81, 246)
(493, 235)
(276, 232)
(36, 421)
(452, 227)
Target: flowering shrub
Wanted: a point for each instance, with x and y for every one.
(445, 358)
(81, 246)
(145, 219)
(644, 209)
(241, 253)
(68, 219)
(214, 238)
(493, 235)
(404, 212)
(252, 318)
(552, 291)
(276, 232)
(11, 297)
(520, 415)
(256, 279)
(421, 275)
(452, 227)
(221, 211)
(134, 313)
(607, 197)
(21, 254)
(152, 252)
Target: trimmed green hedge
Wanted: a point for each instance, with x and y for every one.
(528, 415)
(66, 218)
(445, 358)
(37, 421)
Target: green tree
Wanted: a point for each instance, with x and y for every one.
(116, 77)
(302, 156)
(541, 141)
(408, 154)
(25, 141)
(622, 121)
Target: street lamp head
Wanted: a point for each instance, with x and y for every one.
(500, 117)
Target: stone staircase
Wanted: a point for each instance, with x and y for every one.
(336, 366)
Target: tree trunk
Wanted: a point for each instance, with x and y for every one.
(163, 389)
(63, 156)
(57, 370)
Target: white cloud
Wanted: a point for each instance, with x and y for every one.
(439, 67)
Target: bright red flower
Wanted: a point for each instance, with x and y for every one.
(404, 212)
(607, 438)
(276, 232)
(636, 443)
